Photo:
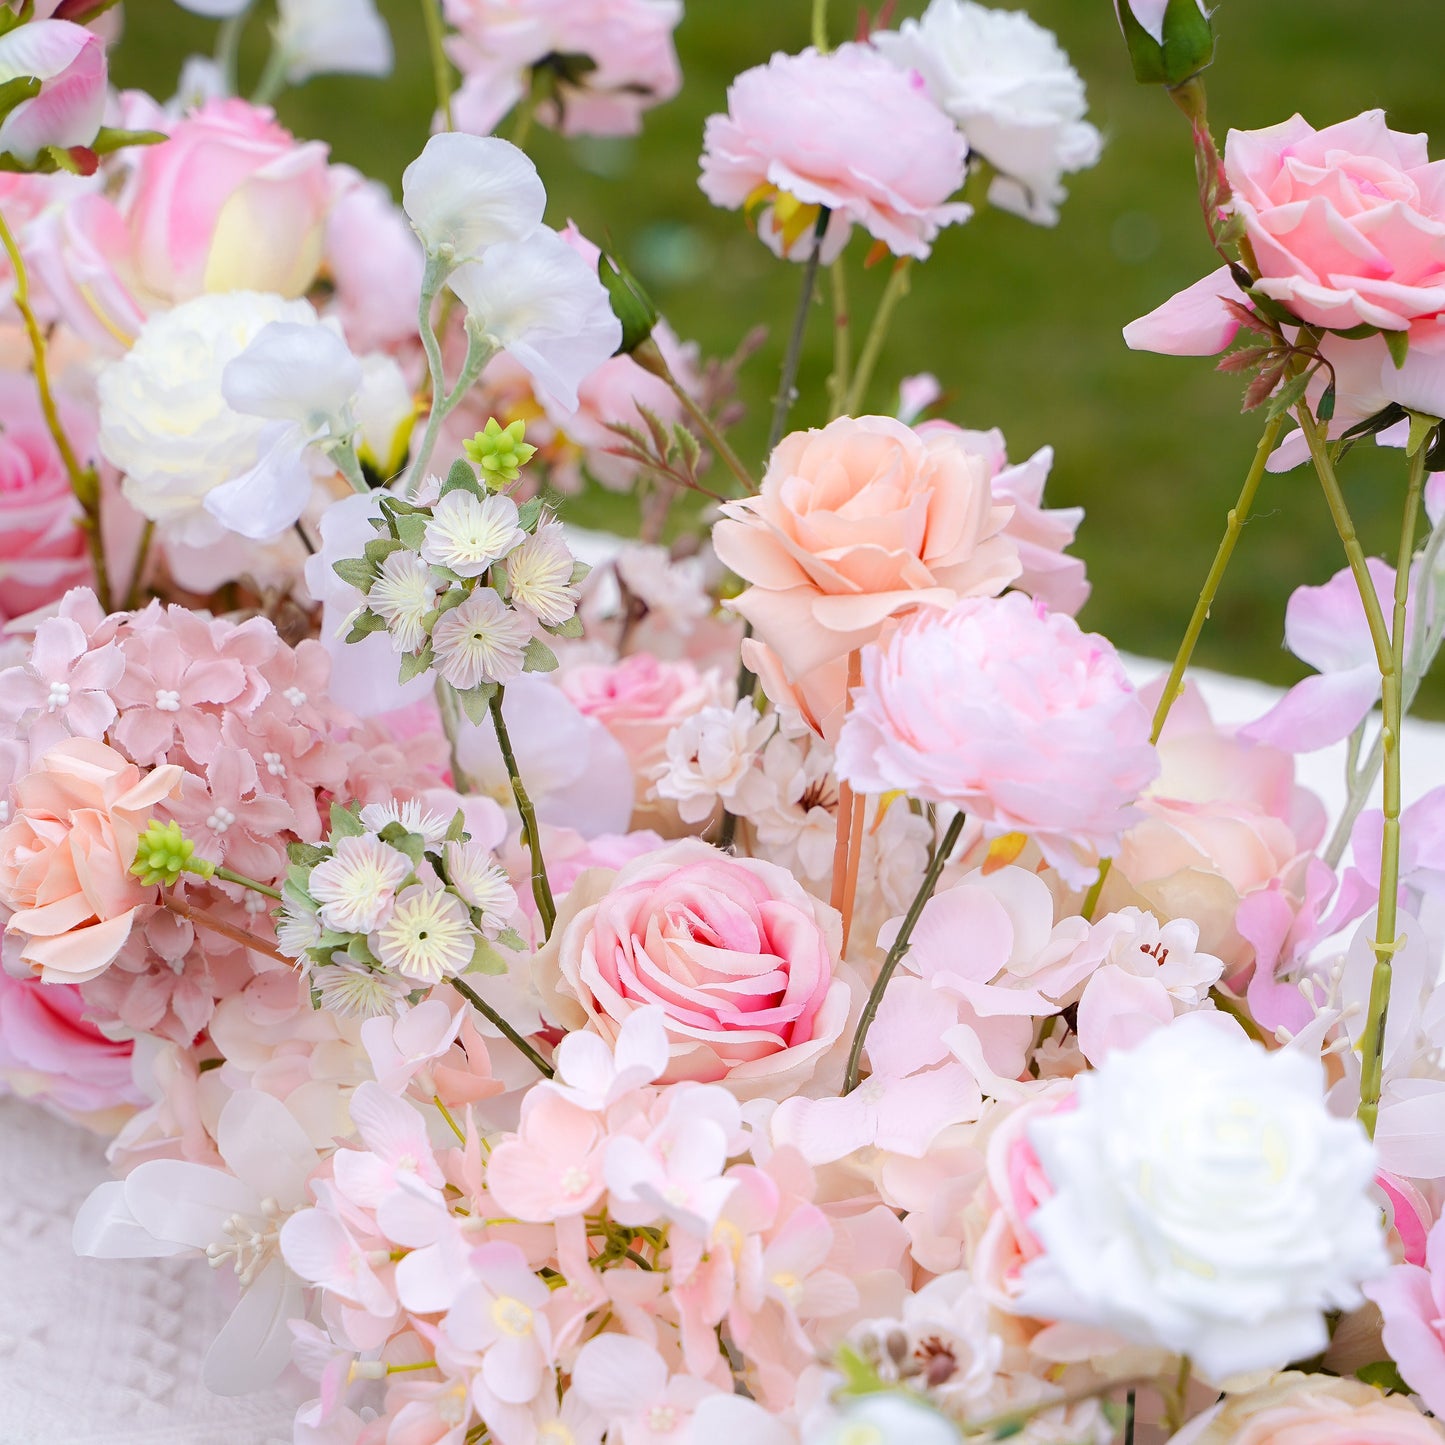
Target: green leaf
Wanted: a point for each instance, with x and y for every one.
(572, 627)
(1383, 1375)
(1399, 344)
(416, 663)
(1326, 409)
(108, 139)
(485, 958)
(632, 306)
(358, 952)
(539, 657)
(859, 1377)
(364, 624)
(529, 514)
(477, 701)
(580, 572)
(462, 478)
(345, 823)
(510, 938)
(411, 532)
(1422, 427)
(1289, 395)
(452, 597)
(457, 829)
(379, 549)
(355, 571)
(396, 835)
(23, 87)
(305, 856)
(1268, 306)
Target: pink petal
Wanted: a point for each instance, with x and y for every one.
(1195, 322)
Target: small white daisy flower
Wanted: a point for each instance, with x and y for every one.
(357, 884)
(540, 574)
(432, 827)
(482, 882)
(468, 533)
(428, 936)
(481, 641)
(354, 991)
(402, 596)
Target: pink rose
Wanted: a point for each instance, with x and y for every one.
(42, 549)
(812, 130)
(855, 524)
(1411, 1297)
(375, 263)
(1010, 714)
(69, 63)
(50, 1053)
(738, 956)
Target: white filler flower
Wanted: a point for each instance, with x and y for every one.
(1205, 1200)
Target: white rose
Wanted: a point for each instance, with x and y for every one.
(163, 419)
(1010, 89)
(1205, 1200)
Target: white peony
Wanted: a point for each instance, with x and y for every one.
(164, 421)
(1009, 87)
(1205, 1201)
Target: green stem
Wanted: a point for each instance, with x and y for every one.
(842, 339)
(1174, 1400)
(440, 66)
(138, 567)
(342, 454)
(788, 379)
(1389, 655)
(447, 1115)
(893, 293)
(649, 356)
(273, 77)
(525, 115)
(900, 947)
(233, 877)
(84, 481)
(820, 26)
(541, 888)
(1174, 684)
(228, 47)
(1010, 1423)
(502, 1026)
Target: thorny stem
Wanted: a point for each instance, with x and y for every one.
(440, 67)
(1174, 685)
(788, 380)
(900, 947)
(541, 888)
(1390, 658)
(502, 1026)
(83, 480)
(201, 919)
(893, 293)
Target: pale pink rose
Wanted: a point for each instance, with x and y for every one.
(1412, 1300)
(812, 130)
(739, 957)
(66, 853)
(853, 525)
(627, 44)
(51, 1053)
(1298, 1409)
(1010, 714)
(375, 263)
(42, 549)
(232, 202)
(1224, 821)
(69, 62)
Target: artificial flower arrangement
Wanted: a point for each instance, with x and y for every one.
(569, 1003)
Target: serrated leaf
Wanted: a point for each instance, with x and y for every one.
(1245, 359)
(485, 958)
(1399, 344)
(656, 430)
(510, 938)
(688, 448)
(1289, 395)
(572, 627)
(461, 478)
(476, 701)
(1422, 428)
(539, 657)
(364, 624)
(355, 572)
(416, 663)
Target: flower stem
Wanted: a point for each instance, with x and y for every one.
(447, 1115)
(251, 883)
(1174, 685)
(502, 1026)
(541, 888)
(1390, 657)
(201, 919)
(273, 77)
(84, 481)
(842, 339)
(848, 823)
(893, 293)
(820, 26)
(1010, 1423)
(788, 379)
(440, 67)
(900, 947)
(138, 567)
(649, 356)
(228, 45)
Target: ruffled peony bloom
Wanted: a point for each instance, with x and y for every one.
(853, 525)
(1010, 714)
(1205, 1200)
(1299, 1409)
(810, 130)
(66, 853)
(1007, 83)
(739, 957)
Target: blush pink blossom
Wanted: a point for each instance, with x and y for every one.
(855, 524)
(740, 959)
(1412, 1300)
(69, 62)
(813, 130)
(1012, 715)
(552, 1168)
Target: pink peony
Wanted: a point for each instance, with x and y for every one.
(738, 956)
(812, 130)
(49, 1052)
(1010, 714)
(42, 549)
(855, 524)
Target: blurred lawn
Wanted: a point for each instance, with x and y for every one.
(1020, 324)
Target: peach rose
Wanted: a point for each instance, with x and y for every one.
(739, 957)
(855, 524)
(66, 853)
(1298, 1409)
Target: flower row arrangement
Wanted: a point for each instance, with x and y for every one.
(784, 983)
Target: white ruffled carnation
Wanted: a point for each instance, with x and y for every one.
(1206, 1201)
(1009, 87)
(164, 421)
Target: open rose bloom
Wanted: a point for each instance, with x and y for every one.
(769, 978)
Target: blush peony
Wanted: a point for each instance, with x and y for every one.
(810, 130)
(1012, 715)
(66, 853)
(741, 960)
(855, 524)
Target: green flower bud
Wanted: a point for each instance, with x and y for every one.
(1170, 41)
(164, 853)
(500, 452)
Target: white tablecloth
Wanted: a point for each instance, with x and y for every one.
(99, 1352)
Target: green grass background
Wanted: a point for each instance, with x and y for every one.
(1020, 323)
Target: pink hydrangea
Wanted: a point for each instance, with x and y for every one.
(1010, 714)
(812, 130)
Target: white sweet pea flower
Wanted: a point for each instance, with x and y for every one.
(1205, 1200)
(303, 380)
(171, 1206)
(332, 37)
(541, 302)
(464, 193)
(385, 415)
(214, 9)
